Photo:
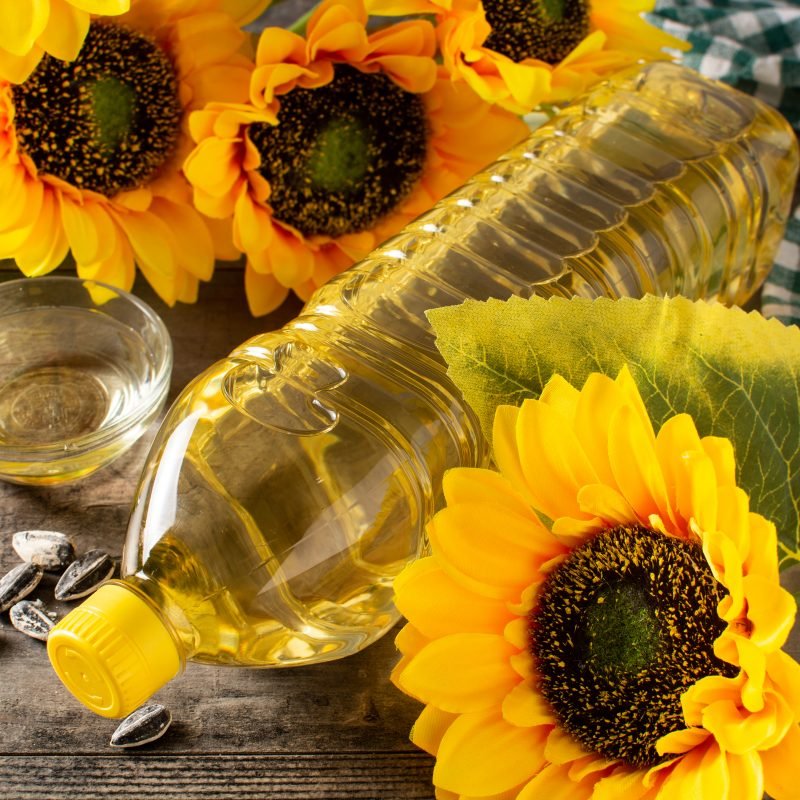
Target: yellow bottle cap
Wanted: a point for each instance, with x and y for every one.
(113, 651)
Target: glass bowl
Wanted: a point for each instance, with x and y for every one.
(84, 369)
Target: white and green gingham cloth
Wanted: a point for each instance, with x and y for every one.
(754, 46)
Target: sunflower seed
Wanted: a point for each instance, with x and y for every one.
(84, 575)
(146, 724)
(32, 618)
(18, 583)
(47, 549)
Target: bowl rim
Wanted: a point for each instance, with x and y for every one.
(69, 449)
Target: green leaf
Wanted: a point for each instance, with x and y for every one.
(737, 374)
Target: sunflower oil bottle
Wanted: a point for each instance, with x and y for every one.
(290, 483)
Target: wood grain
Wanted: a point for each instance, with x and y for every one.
(327, 776)
(338, 730)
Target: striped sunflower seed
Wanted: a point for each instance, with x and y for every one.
(84, 575)
(49, 550)
(19, 583)
(146, 724)
(32, 618)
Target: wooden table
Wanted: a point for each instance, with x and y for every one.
(337, 730)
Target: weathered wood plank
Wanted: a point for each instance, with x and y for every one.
(317, 776)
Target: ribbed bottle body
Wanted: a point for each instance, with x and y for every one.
(292, 482)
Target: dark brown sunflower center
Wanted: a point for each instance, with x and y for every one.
(344, 155)
(106, 121)
(623, 628)
(543, 29)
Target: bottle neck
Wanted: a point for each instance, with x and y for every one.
(175, 621)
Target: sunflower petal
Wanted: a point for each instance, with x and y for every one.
(605, 502)
(192, 243)
(553, 461)
(525, 706)
(410, 640)
(763, 557)
(20, 199)
(740, 732)
(105, 8)
(746, 776)
(725, 561)
(481, 754)
(17, 69)
(720, 451)
(780, 767)
(27, 197)
(65, 31)
(462, 485)
(506, 455)
(430, 727)
(245, 11)
(47, 245)
(678, 435)
(752, 661)
(89, 229)
(701, 773)
(562, 748)
(438, 606)
(681, 741)
(463, 672)
(554, 783)
(470, 545)
(264, 293)
(599, 399)
(784, 674)
(637, 471)
(150, 240)
(733, 517)
(622, 782)
(771, 610)
(22, 24)
(697, 492)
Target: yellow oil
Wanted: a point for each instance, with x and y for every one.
(263, 555)
(66, 375)
(291, 483)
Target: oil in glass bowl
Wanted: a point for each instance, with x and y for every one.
(84, 370)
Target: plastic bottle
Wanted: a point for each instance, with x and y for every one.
(291, 482)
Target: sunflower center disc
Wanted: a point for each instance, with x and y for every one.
(623, 628)
(344, 155)
(542, 29)
(105, 122)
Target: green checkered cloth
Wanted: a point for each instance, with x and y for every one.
(754, 46)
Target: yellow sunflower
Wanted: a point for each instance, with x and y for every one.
(545, 51)
(346, 137)
(631, 647)
(91, 149)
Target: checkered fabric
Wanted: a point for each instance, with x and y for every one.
(754, 46)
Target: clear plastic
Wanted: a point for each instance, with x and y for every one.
(290, 483)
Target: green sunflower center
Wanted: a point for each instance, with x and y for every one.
(624, 626)
(344, 155)
(543, 29)
(107, 121)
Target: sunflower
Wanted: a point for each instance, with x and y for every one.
(521, 54)
(91, 149)
(629, 647)
(346, 137)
